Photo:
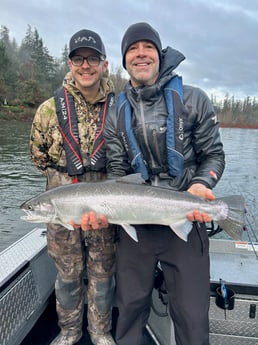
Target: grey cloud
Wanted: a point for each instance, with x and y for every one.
(219, 39)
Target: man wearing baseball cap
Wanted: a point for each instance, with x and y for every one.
(169, 133)
(67, 147)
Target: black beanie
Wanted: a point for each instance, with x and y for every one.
(140, 32)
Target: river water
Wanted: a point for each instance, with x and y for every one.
(20, 180)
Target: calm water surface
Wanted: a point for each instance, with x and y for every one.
(20, 180)
(240, 175)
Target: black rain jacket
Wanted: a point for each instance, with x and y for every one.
(204, 158)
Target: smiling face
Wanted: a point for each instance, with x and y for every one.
(87, 77)
(142, 63)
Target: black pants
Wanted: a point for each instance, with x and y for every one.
(186, 272)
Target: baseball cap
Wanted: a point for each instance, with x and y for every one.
(86, 39)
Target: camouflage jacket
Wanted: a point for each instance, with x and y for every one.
(46, 141)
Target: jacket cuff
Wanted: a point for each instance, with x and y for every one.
(205, 183)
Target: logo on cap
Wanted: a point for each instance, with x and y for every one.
(84, 38)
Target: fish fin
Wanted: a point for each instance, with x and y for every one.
(66, 225)
(182, 229)
(233, 225)
(130, 231)
(132, 179)
(58, 218)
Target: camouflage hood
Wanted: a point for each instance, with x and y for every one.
(106, 86)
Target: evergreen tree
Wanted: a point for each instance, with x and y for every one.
(8, 69)
(61, 68)
(37, 68)
(29, 75)
(3, 64)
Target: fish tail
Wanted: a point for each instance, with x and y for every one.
(233, 225)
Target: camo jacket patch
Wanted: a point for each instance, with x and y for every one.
(46, 141)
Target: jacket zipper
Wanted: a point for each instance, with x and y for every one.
(145, 133)
(154, 133)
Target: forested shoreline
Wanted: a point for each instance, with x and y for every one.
(29, 75)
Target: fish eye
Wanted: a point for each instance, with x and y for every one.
(30, 208)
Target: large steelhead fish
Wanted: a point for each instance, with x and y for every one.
(126, 203)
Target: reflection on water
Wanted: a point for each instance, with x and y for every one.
(20, 180)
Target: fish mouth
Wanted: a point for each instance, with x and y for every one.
(30, 217)
(28, 214)
(27, 217)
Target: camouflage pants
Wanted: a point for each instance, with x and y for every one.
(76, 253)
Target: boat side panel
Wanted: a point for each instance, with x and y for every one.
(26, 285)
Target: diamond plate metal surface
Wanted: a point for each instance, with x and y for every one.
(16, 306)
(218, 339)
(20, 252)
(237, 322)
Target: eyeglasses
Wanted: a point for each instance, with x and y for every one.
(78, 60)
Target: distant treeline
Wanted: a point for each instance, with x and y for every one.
(237, 113)
(29, 75)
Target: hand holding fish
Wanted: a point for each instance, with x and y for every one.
(202, 191)
(89, 221)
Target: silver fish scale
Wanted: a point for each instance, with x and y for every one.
(129, 203)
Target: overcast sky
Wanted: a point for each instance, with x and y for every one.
(218, 37)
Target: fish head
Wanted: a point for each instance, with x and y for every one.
(38, 211)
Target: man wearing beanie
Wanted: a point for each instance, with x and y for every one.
(69, 149)
(169, 133)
